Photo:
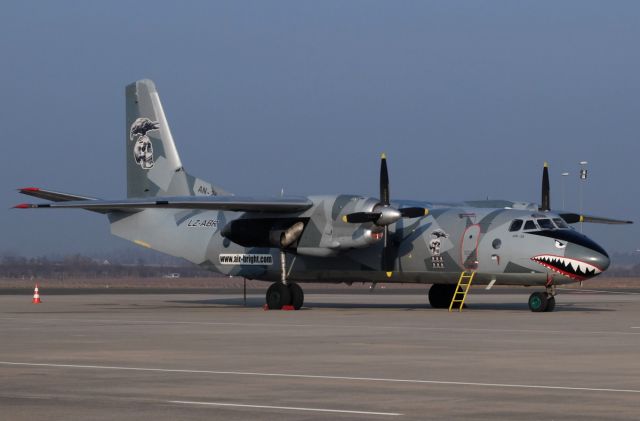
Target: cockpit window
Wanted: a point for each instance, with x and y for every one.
(530, 225)
(515, 225)
(560, 223)
(546, 224)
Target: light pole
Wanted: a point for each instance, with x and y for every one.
(583, 179)
(564, 175)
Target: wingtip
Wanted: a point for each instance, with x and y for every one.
(27, 189)
(23, 206)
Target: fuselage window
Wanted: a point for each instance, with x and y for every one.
(530, 225)
(560, 223)
(546, 224)
(515, 225)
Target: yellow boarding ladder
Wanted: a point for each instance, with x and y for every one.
(464, 284)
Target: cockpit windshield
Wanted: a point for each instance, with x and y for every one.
(560, 223)
(537, 224)
(516, 225)
(546, 224)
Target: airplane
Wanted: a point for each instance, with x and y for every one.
(341, 238)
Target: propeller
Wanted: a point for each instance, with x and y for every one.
(383, 214)
(570, 217)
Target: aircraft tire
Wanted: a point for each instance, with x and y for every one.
(278, 295)
(538, 302)
(297, 295)
(551, 304)
(440, 295)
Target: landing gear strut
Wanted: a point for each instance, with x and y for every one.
(543, 301)
(285, 293)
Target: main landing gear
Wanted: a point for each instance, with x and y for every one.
(543, 301)
(284, 293)
(440, 295)
(280, 295)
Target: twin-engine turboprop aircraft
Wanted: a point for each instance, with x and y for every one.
(338, 238)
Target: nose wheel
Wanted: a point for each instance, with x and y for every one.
(540, 302)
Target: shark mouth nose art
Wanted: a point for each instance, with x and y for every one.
(573, 268)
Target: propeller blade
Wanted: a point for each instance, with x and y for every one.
(414, 212)
(361, 217)
(545, 202)
(384, 181)
(572, 218)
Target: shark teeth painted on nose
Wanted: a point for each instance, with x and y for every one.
(572, 268)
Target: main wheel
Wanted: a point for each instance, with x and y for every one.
(551, 304)
(278, 295)
(297, 295)
(538, 302)
(440, 295)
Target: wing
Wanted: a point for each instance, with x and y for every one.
(229, 203)
(572, 218)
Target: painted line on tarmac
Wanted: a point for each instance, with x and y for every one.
(307, 325)
(312, 376)
(288, 408)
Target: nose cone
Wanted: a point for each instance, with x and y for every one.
(582, 258)
(592, 259)
(599, 260)
(586, 262)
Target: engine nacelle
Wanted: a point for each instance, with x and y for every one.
(264, 232)
(334, 245)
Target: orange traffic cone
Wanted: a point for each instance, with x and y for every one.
(36, 296)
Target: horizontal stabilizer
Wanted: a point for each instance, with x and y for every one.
(228, 203)
(573, 218)
(54, 196)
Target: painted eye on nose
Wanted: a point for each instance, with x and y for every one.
(560, 244)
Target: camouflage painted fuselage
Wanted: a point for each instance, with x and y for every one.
(430, 249)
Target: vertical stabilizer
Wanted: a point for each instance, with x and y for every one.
(154, 167)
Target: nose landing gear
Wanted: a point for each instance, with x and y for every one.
(543, 301)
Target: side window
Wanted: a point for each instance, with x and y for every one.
(546, 224)
(515, 225)
(560, 223)
(530, 225)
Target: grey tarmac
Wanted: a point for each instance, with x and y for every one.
(347, 356)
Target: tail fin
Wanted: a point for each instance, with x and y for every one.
(153, 164)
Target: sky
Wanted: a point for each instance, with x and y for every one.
(466, 98)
